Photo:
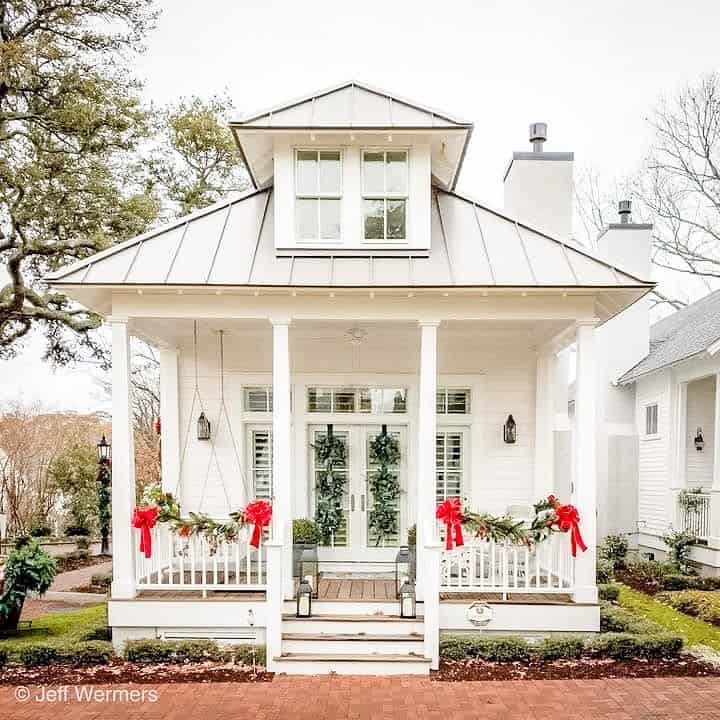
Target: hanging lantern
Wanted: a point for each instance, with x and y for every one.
(407, 600)
(402, 568)
(304, 599)
(309, 569)
(510, 430)
(699, 440)
(103, 451)
(203, 427)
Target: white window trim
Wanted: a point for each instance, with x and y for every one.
(318, 195)
(643, 419)
(385, 195)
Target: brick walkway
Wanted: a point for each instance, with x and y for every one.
(363, 698)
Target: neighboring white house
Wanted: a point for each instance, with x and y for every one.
(353, 287)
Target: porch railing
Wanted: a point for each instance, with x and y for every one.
(696, 519)
(483, 565)
(192, 563)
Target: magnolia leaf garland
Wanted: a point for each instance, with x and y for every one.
(330, 453)
(384, 485)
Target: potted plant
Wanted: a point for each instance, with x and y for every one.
(28, 569)
(306, 536)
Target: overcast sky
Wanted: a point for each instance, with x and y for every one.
(591, 69)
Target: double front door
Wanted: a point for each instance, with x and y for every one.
(370, 528)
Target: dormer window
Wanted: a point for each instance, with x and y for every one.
(385, 194)
(318, 194)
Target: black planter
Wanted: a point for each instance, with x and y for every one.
(298, 549)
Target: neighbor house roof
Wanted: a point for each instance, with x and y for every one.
(231, 243)
(691, 331)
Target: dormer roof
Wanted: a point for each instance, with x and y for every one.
(352, 108)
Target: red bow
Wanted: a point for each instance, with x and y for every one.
(144, 519)
(568, 518)
(450, 512)
(260, 513)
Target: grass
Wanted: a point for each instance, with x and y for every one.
(695, 632)
(65, 627)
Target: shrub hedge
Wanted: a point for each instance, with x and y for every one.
(79, 654)
(698, 603)
(3, 657)
(628, 646)
(190, 651)
(608, 592)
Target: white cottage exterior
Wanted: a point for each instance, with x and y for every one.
(353, 287)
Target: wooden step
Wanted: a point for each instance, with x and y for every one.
(353, 637)
(353, 618)
(352, 657)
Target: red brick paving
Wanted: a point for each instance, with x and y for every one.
(381, 698)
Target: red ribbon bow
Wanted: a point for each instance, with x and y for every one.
(450, 512)
(258, 512)
(568, 519)
(144, 519)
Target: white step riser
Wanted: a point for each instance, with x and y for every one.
(348, 667)
(330, 607)
(364, 647)
(370, 627)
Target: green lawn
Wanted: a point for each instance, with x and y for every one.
(61, 627)
(695, 632)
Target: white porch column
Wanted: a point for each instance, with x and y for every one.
(123, 464)
(585, 470)
(282, 421)
(544, 425)
(170, 421)
(714, 539)
(678, 476)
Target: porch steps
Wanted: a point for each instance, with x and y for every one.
(355, 643)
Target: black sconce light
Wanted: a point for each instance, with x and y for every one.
(699, 440)
(510, 430)
(203, 427)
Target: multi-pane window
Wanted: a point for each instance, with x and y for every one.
(261, 463)
(452, 401)
(449, 464)
(258, 399)
(651, 419)
(318, 193)
(368, 400)
(385, 192)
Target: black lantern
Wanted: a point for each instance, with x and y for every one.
(103, 451)
(309, 569)
(203, 427)
(407, 600)
(304, 599)
(510, 430)
(402, 568)
(699, 440)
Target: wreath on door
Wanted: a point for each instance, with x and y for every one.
(330, 453)
(384, 486)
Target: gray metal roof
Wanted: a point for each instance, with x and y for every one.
(231, 243)
(680, 336)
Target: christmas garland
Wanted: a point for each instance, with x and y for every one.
(384, 485)
(330, 488)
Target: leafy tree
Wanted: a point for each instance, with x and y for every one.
(69, 117)
(74, 473)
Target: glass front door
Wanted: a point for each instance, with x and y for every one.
(360, 500)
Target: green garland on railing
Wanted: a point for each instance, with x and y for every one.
(330, 488)
(384, 485)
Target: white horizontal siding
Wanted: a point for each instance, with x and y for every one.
(700, 414)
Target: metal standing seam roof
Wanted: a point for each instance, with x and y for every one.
(231, 243)
(680, 336)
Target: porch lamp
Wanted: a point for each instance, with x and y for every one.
(699, 440)
(408, 605)
(304, 599)
(510, 430)
(402, 568)
(104, 452)
(203, 427)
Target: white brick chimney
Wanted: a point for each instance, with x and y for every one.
(539, 187)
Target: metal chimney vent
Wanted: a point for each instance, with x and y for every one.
(538, 135)
(625, 211)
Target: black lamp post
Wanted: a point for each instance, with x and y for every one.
(104, 455)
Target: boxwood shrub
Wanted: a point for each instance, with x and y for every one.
(79, 654)
(244, 654)
(698, 603)
(627, 646)
(608, 592)
(3, 657)
(559, 648)
(154, 651)
(38, 655)
(496, 649)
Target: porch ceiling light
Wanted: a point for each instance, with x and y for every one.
(356, 336)
(510, 430)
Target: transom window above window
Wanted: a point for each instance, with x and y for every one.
(376, 401)
(453, 401)
(318, 193)
(651, 419)
(385, 192)
(258, 399)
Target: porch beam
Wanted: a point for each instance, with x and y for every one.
(282, 422)
(585, 460)
(123, 470)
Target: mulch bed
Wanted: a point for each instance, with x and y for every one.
(119, 671)
(583, 669)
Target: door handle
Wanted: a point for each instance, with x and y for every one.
(362, 502)
(352, 502)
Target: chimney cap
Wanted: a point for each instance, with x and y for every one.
(538, 135)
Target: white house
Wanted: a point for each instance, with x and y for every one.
(353, 287)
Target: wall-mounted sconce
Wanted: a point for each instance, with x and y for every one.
(699, 440)
(510, 430)
(203, 427)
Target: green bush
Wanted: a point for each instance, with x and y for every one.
(676, 581)
(3, 657)
(646, 575)
(76, 531)
(609, 593)
(41, 531)
(619, 620)
(305, 531)
(559, 648)
(90, 652)
(494, 649)
(172, 651)
(604, 573)
(698, 603)
(244, 654)
(101, 580)
(98, 633)
(627, 646)
(38, 655)
(83, 543)
(679, 543)
(614, 549)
